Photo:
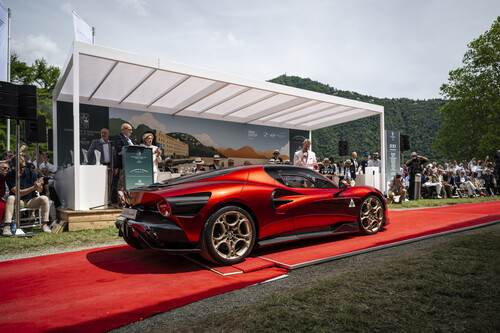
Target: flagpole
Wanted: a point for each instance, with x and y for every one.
(8, 73)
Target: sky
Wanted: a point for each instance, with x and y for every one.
(385, 48)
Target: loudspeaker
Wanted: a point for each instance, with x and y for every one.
(404, 143)
(343, 148)
(8, 100)
(17, 102)
(35, 130)
(27, 102)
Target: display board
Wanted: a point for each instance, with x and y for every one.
(392, 158)
(138, 166)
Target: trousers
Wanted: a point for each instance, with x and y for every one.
(41, 202)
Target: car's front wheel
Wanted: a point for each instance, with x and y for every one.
(228, 236)
(371, 215)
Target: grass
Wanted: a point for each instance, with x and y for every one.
(41, 241)
(441, 202)
(454, 287)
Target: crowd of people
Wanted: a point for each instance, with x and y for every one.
(417, 175)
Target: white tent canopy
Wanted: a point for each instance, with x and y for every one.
(108, 77)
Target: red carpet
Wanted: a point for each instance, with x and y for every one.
(101, 289)
(405, 225)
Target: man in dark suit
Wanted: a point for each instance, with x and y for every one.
(121, 140)
(104, 147)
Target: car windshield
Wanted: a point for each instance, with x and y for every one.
(298, 177)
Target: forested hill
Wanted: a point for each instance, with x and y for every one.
(418, 119)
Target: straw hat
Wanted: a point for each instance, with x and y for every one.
(216, 157)
(198, 160)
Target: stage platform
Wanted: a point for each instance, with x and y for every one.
(100, 218)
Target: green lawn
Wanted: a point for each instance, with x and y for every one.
(452, 287)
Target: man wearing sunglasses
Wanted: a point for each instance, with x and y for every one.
(30, 183)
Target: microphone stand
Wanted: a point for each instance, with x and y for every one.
(110, 186)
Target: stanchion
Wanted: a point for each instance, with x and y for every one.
(418, 186)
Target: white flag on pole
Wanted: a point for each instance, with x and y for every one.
(4, 40)
(83, 31)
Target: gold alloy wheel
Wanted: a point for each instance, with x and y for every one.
(232, 235)
(371, 215)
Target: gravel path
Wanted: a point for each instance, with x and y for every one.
(176, 319)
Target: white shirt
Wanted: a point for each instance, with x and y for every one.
(306, 159)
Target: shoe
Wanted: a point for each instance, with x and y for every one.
(45, 228)
(439, 197)
(6, 231)
(482, 194)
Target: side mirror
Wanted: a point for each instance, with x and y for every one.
(344, 185)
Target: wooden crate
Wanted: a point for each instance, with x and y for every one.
(89, 219)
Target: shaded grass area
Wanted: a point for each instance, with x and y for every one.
(441, 202)
(42, 241)
(451, 287)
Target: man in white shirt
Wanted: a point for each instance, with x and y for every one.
(305, 157)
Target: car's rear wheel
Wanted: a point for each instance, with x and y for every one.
(228, 236)
(371, 215)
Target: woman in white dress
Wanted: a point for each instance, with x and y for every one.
(147, 141)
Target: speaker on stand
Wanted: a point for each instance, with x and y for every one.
(343, 148)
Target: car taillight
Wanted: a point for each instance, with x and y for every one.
(164, 208)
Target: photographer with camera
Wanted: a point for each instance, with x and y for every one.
(396, 187)
(415, 166)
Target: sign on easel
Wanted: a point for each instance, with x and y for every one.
(138, 166)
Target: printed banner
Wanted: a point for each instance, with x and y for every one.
(392, 156)
(83, 31)
(4, 40)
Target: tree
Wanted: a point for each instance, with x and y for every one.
(39, 74)
(472, 114)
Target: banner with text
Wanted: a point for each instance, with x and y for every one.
(392, 158)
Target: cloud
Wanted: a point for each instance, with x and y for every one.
(134, 6)
(285, 150)
(149, 120)
(206, 140)
(234, 41)
(66, 8)
(38, 46)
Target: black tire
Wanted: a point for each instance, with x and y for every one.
(228, 236)
(371, 215)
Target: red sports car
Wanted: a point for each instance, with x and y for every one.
(224, 214)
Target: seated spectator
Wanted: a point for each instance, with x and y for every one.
(276, 157)
(44, 162)
(326, 168)
(216, 165)
(433, 181)
(396, 187)
(50, 192)
(169, 166)
(30, 183)
(490, 183)
(464, 184)
(475, 181)
(447, 189)
(349, 173)
(247, 162)
(450, 179)
(198, 162)
(230, 163)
